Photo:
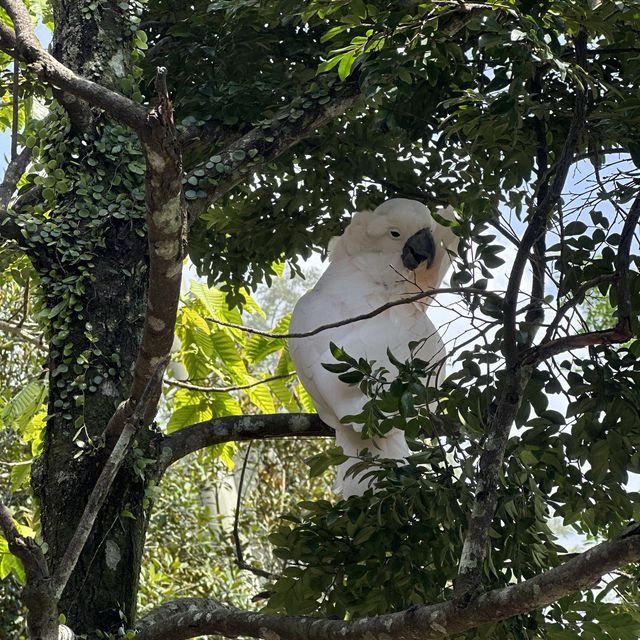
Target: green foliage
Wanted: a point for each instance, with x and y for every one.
(458, 104)
(87, 192)
(398, 403)
(382, 552)
(21, 421)
(399, 546)
(454, 118)
(450, 113)
(222, 357)
(187, 538)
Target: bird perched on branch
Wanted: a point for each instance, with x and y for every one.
(383, 255)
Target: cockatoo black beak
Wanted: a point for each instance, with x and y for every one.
(419, 248)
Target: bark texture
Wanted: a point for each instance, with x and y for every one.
(104, 582)
(192, 617)
(105, 579)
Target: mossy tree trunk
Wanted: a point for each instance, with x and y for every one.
(100, 282)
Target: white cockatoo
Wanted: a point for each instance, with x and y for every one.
(383, 255)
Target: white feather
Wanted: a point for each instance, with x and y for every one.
(365, 272)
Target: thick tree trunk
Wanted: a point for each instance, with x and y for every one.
(105, 580)
(98, 353)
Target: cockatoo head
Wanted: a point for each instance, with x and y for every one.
(400, 234)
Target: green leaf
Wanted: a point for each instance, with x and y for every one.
(20, 409)
(346, 63)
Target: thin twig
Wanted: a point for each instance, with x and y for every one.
(17, 464)
(9, 229)
(240, 561)
(622, 331)
(20, 333)
(575, 299)
(15, 100)
(239, 387)
(365, 316)
(535, 314)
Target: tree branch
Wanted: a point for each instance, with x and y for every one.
(540, 215)
(166, 222)
(166, 233)
(516, 376)
(48, 69)
(15, 100)
(294, 123)
(25, 549)
(576, 299)
(238, 387)
(237, 429)
(20, 333)
(535, 313)
(364, 316)
(266, 142)
(240, 561)
(623, 290)
(37, 596)
(622, 331)
(193, 617)
(9, 229)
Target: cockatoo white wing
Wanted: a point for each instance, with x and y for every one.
(325, 304)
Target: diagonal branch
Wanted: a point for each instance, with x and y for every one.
(516, 376)
(535, 314)
(166, 225)
(48, 69)
(20, 333)
(290, 126)
(264, 143)
(25, 549)
(192, 617)
(9, 228)
(240, 561)
(101, 489)
(576, 299)
(540, 215)
(237, 429)
(165, 222)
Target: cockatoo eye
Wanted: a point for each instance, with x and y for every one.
(394, 233)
